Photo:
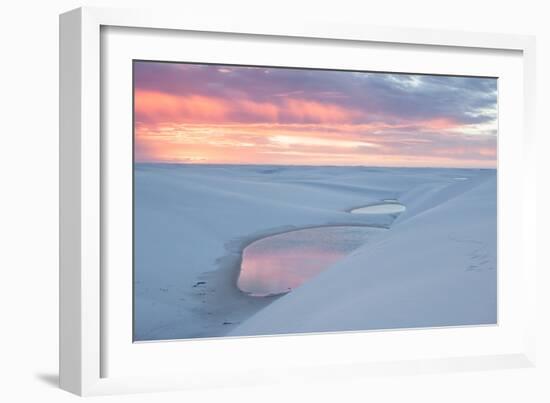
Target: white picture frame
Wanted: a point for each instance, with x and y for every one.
(86, 333)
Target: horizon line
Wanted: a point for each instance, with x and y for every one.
(308, 165)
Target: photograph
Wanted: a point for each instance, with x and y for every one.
(275, 200)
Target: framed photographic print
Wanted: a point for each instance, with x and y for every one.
(269, 202)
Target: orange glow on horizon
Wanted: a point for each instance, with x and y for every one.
(292, 145)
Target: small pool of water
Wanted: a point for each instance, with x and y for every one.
(382, 208)
(279, 263)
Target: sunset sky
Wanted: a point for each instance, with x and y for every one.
(195, 113)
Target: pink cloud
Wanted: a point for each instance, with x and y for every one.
(158, 106)
(317, 112)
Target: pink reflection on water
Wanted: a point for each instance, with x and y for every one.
(279, 263)
(279, 271)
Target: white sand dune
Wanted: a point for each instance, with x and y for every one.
(192, 222)
(438, 268)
